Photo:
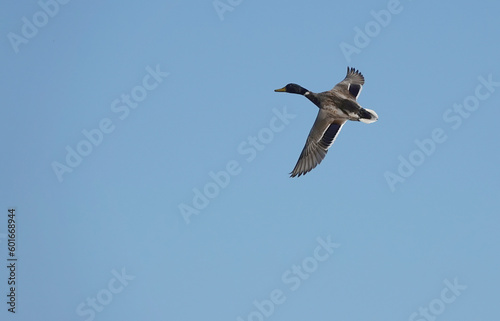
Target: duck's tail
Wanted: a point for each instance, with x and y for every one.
(367, 116)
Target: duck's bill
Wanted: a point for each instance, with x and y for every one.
(280, 90)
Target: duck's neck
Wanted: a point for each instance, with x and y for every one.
(311, 96)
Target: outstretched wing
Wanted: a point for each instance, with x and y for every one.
(352, 83)
(321, 137)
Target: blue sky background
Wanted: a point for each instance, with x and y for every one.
(118, 210)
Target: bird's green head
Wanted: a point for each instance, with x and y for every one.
(293, 89)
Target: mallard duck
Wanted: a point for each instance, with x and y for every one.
(335, 108)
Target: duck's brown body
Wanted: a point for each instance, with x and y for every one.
(336, 107)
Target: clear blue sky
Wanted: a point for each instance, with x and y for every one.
(147, 157)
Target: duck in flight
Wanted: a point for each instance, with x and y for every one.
(335, 108)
